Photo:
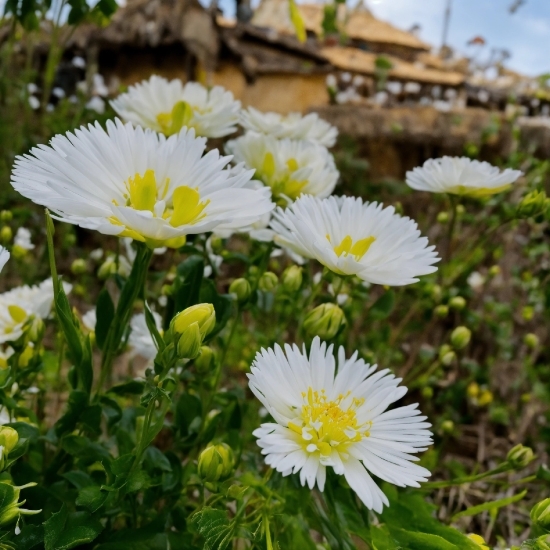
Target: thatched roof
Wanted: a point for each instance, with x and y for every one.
(359, 23)
(152, 23)
(358, 61)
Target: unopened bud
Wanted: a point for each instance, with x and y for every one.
(447, 426)
(519, 456)
(216, 463)
(460, 337)
(12, 510)
(240, 288)
(206, 361)
(436, 292)
(6, 234)
(528, 312)
(473, 390)
(443, 217)
(531, 340)
(542, 543)
(292, 278)
(485, 398)
(268, 281)
(216, 243)
(6, 216)
(446, 355)
(78, 266)
(107, 268)
(427, 392)
(458, 303)
(8, 438)
(494, 270)
(26, 356)
(18, 252)
(36, 330)
(441, 311)
(166, 290)
(324, 321)
(540, 514)
(190, 327)
(532, 204)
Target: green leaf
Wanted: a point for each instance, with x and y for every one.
(30, 537)
(92, 498)
(105, 312)
(189, 415)
(222, 305)
(68, 326)
(188, 283)
(134, 387)
(78, 478)
(63, 530)
(422, 541)
(382, 308)
(152, 326)
(488, 506)
(107, 7)
(78, 400)
(381, 538)
(214, 526)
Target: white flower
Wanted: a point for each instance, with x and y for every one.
(34, 102)
(136, 183)
(140, 339)
(23, 239)
(4, 257)
(355, 238)
(337, 419)
(293, 126)
(96, 104)
(476, 280)
(167, 107)
(461, 176)
(89, 319)
(288, 167)
(20, 303)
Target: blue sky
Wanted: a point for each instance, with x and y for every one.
(526, 34)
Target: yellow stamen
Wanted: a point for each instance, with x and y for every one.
(18, 314)
(180, 116)
(143, 191)
(268, 165)
(188, 207)
(292, 164)
(357, 249)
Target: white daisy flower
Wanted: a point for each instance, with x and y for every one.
(293, 126)
(89, 319)
(4, 257)
(167, 106)
(23, 239)
(461, 176)
(20, 303)
(329, 414)
(136, 183)
(355, 238)
(289, 167)
(141, 342)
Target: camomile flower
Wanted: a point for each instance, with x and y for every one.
(461, 176)
(289, 167)
(355, 238)
(4, 257)
(20, 303)
(131, 182)
(332, 412)
(89, 319)
(294, 126)
(140, 340)
(167, 106)
(23, 239)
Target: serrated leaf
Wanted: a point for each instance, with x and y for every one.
(214, 526)
(63, 530)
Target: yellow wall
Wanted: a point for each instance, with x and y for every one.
(282, 93)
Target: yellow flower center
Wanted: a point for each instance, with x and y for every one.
(281, 181)
(478, 192)
(358, 248)
(326, 425)
(144, 193)
(180, 116)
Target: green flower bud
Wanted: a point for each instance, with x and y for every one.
(6, 216)
(78, 266)
(532, 204)
(216, 244)
(436, 291)
(8, 438)
(166, 290)
(69, 240)
(241, 289)
(12, 510)
(268, 281)
(460, 337)
(206, 361)
(528, 312)
(494, 270)
(531, 340)
(447, 426)
(216, 463)
(292, 278)
(458, 303)
(446, 355)
(460, 209)
(540, 514)
(542, 543)
(35, 330)
(6, 234)
(18, 252)
(324, 321)
(107, 268)
(441, 311)
(427, 392)
(519, 456)
(443, 217)
(190, 327)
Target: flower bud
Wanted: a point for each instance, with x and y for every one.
(18, 252)
(480, 541)
(540, 514)
(190, 327)
(485, 398)
(26, 356)
(241, 289)
(107, 268)
(494, 270)
(443, 217)
(528, 312)
(6, 234)
(78, 266)
(206, 360)
(166, 290)
(460, 337)
(268, 281)
(446, 355)
(532, 204)
(531, 340)
(216, 463)
(35, 330)
(324, 321)
(473, 390)
(542, 543)
(8, 438)
(458, 303)
(441, 311)
(427, 392)
(519, 456)
(292, 278)
(6, 216)
(12, 510)
(436, 291)
(447, 426)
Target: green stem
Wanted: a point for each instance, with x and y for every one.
(133, 287)
(504, 467)
(452, 225)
